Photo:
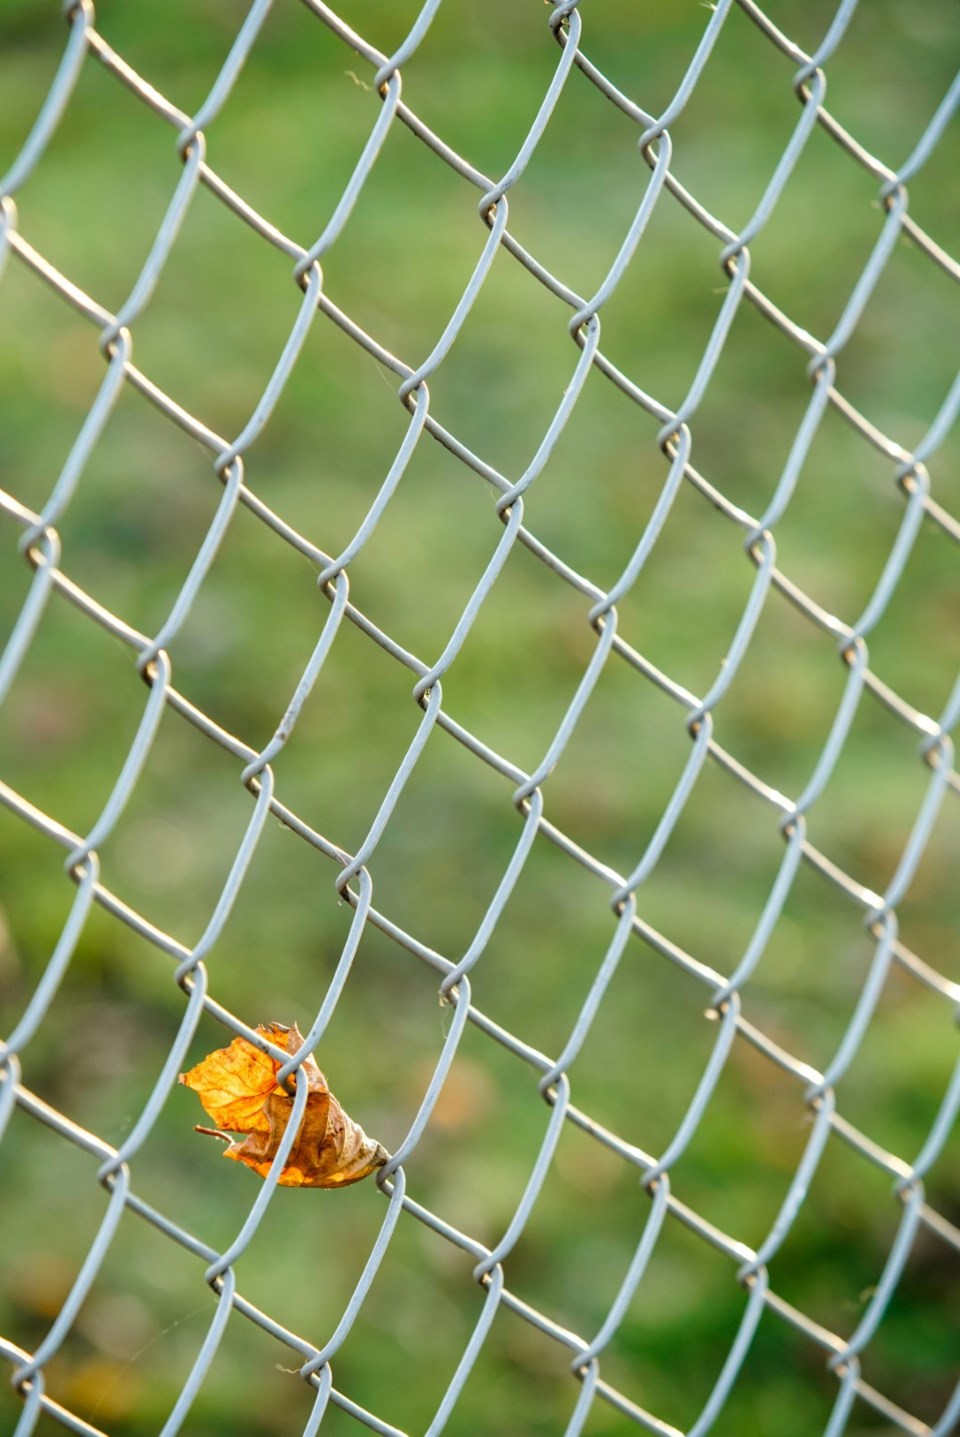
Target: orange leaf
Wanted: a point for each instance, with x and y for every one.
(238, 1088)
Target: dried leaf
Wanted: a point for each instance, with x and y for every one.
(238, 1088)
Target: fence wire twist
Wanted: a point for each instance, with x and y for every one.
(753, 1268)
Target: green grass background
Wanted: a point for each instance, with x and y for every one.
(287, 140)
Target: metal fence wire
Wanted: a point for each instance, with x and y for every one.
(603, 1377)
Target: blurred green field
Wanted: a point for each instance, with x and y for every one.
(287, 140)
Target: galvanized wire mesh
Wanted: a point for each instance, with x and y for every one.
(859, 1388)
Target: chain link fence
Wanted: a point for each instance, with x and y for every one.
(697, 1011)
